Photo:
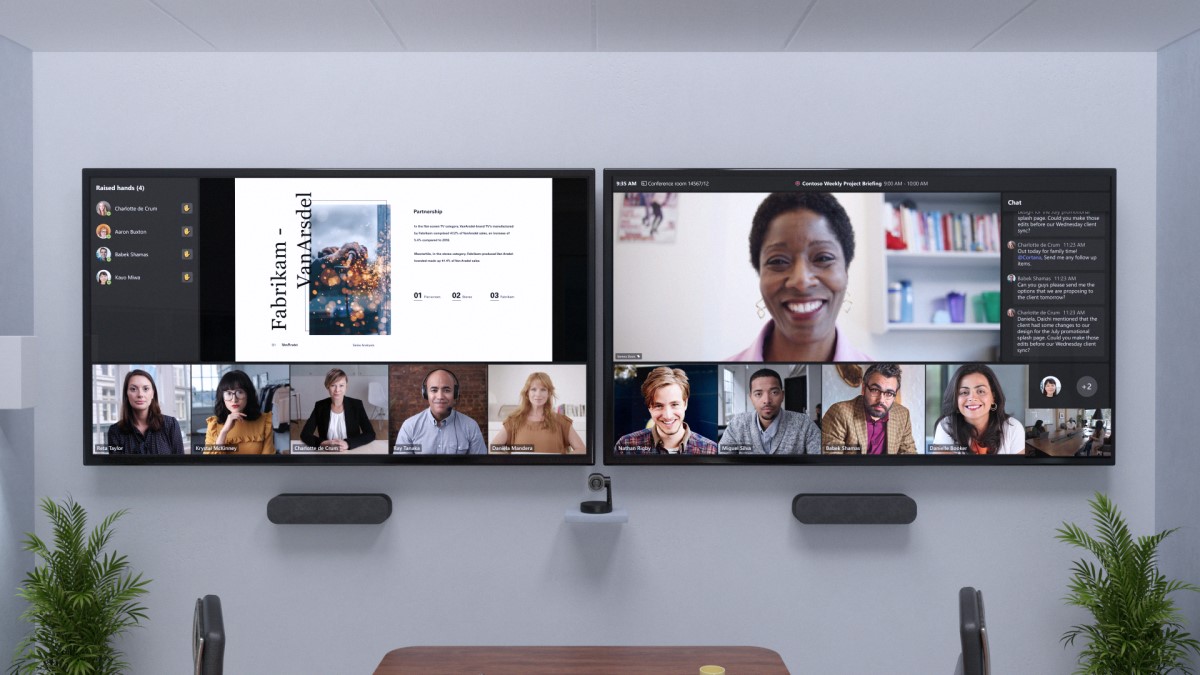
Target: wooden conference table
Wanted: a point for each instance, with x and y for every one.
(579, 661)
(1060, 442)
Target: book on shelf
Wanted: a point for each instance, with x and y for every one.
(575, 411)
(915, 230)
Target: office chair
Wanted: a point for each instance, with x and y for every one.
(975, 658)
(208, 636)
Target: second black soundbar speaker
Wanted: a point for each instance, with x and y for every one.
(329, 509)
(854, 509)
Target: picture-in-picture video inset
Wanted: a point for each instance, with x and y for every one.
(756, 314)
(281, 314)
(808, 270)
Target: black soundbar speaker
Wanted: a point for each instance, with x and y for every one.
(854, 509)
(329, 509)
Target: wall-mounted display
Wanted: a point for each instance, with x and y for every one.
(868, 316)
(337, 316)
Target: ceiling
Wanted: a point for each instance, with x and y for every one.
(597, 25)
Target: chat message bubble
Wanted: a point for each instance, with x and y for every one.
(1060, 289)
(1061, 224)
(1067, 333)
(1060, 254)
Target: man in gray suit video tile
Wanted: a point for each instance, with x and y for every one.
(769, 429)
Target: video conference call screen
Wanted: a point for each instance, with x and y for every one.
(859, 316)
(337, 316)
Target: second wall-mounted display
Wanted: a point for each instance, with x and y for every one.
(859, 316)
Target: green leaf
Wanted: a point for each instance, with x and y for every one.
(1137, 627)
(80, 598)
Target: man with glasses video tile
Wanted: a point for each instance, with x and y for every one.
(871, 423)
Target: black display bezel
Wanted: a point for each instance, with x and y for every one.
(581, 208)
(776, 180)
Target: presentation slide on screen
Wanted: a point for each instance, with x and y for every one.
(390, 269)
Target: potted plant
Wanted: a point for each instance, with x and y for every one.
(80, 598)
(1136, 626)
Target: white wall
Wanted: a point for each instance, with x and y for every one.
(1177, 278)
(16, 318)
(481, 555)
(16, 184)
